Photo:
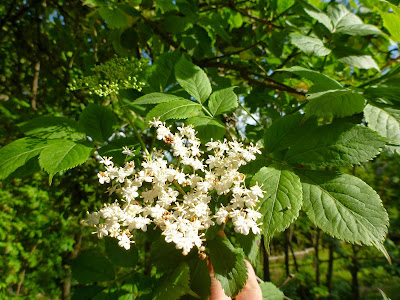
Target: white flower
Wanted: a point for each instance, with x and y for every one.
(182, 213)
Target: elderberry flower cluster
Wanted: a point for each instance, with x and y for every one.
(179, 202)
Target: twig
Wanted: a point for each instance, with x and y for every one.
(35, 85)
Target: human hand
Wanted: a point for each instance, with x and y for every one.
(251, 291)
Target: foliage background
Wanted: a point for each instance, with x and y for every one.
(45, 44)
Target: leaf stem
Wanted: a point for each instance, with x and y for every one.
(247, 111)
(180, 189)
(206, 110)
(132, 123)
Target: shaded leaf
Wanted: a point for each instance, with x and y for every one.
(91, 266)
(229, 265)
(98, 122)
(175, 284)
(49, 127)
(113, 17)
(208, 128)
(318, 15)
(200, 280)
(18, 153)
(120, 256)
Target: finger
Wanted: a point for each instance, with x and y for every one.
(251, 290)
(217, 293)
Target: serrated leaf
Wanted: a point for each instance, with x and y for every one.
(164, 255)
(309, 45)
(338, 103)
(279, 129)
(208, 128)
(345, 207)
(250, 244)
(86, 292)
(359, 30)
(337, 144)
(222, 101)
(385, 120)
(360, 61)
(177, 109)
(193, 79)
(18, 153)
(318, 15)
(91, 266)
(154, 98)
(113, 17)
(62, 155)
(271, 292)
(391, 21)
(391, 93)
(174, 285)
(282, 201)
(120, 256)
(200, 280)
(324, 82)
(48, 127)
(115, 147)
(98, 122)
(229, 265)
(341, 16)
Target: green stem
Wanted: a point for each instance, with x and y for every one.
(179, 188)
(206, 110)
(246, 110)
(326, 56)
(132, 123)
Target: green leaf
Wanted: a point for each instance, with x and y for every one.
(271, 292)
(319, 79)
(200, 280)
(115, 147)
(154, 98)
(48, 127)
(91, 266)
(62, 155)
(360, 61)
(120, 256)
(345, 207)
(229, 265)
(309, 45)
(337, 144)
(86, 292)
(339, 103)
(391, 21)
(113, 17)
(359, 29)
(177, 109)
(18, 153)
(98, 122)
(391, 93)
(276, 133)
(161, 73)
(283, 5)
(193, 79)
(174, 285)
(318, 15)
(164, 255)
(340, 16)
(385, 120)
(250, 244)
(282, 201)
(222, 101)
(208, 128)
